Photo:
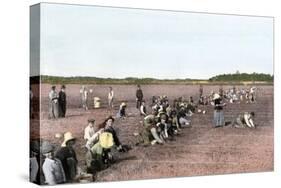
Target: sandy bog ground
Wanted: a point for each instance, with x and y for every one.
(200, 150)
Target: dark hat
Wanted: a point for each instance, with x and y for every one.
(91, 120)
(63, 86)
(53, 87)
(108, 118)
(46, 147)
(252, 114)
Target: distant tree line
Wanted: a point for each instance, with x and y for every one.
(128, 80)
(239, 77)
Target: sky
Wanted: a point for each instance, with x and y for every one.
(117, 43)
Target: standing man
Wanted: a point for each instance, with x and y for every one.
(253, 94)
(200, 91)
(218, 111)
(62, 102)
(53, 103)
(84, 97)
(110, 97)
(221, 91)
(139, 96)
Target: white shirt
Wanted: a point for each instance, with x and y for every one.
(34, 167)
(142, 110)
(53, 96)
(110, 94)
(248, 120)
(88, 132)
(91, 136)
(53, 171)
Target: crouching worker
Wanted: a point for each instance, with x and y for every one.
(183, 118)
(67, 155)
(173, 128)
(98, 157)
(52, 167)
(162, 127)
(122, 110)
(244, 120)
(149, 130)
(91, 133)
(143, 109)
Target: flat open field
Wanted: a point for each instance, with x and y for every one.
(199, 150)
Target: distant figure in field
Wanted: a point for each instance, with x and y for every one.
(253, 94)
(110, 97)
(200, 91)
(139, 96)
(62, 102)
(244, 120)
(218, 111)
(234, 90)
(53, 103)
(84, 97)
(221, 92)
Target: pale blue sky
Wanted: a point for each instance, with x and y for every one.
(118, 43)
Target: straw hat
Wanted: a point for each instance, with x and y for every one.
(106, 140)
(123, 104)
(46, 147)
(67, 137)
(216, 96)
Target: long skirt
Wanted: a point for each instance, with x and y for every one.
(53, 109)
(218, 118)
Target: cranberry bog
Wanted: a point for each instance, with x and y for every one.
(199, 150)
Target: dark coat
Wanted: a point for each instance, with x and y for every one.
(67, 156)
(114, 134)
(139, 94)
(62, 104)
